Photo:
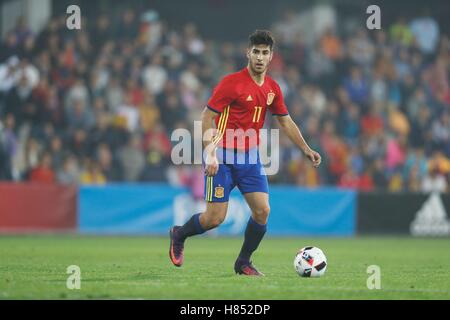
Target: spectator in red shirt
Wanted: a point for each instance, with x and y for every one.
(349, 180)
(43, 173)
(365, 181)
(372, 123)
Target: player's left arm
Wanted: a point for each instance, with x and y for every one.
(290, 128)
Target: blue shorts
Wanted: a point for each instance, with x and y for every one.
(236, 168)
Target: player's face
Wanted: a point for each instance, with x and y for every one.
(259, 57)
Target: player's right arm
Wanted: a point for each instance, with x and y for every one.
(211, 162)
(223, 95)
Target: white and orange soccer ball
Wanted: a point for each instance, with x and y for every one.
(310, 262)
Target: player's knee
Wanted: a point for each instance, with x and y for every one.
(261, 214)
(214, 218)
(216, 221)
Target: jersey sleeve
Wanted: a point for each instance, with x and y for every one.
(223, 95)
(278, 107)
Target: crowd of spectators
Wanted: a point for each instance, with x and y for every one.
(99, 104)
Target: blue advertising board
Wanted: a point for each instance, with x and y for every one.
(153, 208)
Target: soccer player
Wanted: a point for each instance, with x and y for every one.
(238, 106)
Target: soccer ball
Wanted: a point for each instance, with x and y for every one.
(310, 262)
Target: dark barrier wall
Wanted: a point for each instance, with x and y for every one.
(408, 214)
(37, 207)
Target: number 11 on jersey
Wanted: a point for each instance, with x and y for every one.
(257, 114)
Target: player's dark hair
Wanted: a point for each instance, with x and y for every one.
(261, 37)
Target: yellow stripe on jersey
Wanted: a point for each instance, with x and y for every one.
(222, 125)
(222, 122)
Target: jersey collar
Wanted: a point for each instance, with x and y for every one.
(248, 73)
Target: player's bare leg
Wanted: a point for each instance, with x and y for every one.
(259, 205)
(213, 216)
(254, 232)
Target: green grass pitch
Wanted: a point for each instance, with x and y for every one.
(34, 267)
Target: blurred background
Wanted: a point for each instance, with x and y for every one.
(80, 109)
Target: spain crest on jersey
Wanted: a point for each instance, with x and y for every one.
(219, 192)
(270, 98)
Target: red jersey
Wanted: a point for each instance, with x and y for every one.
(242, 105)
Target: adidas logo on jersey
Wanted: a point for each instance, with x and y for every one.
(431, 219)
(249, 98)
